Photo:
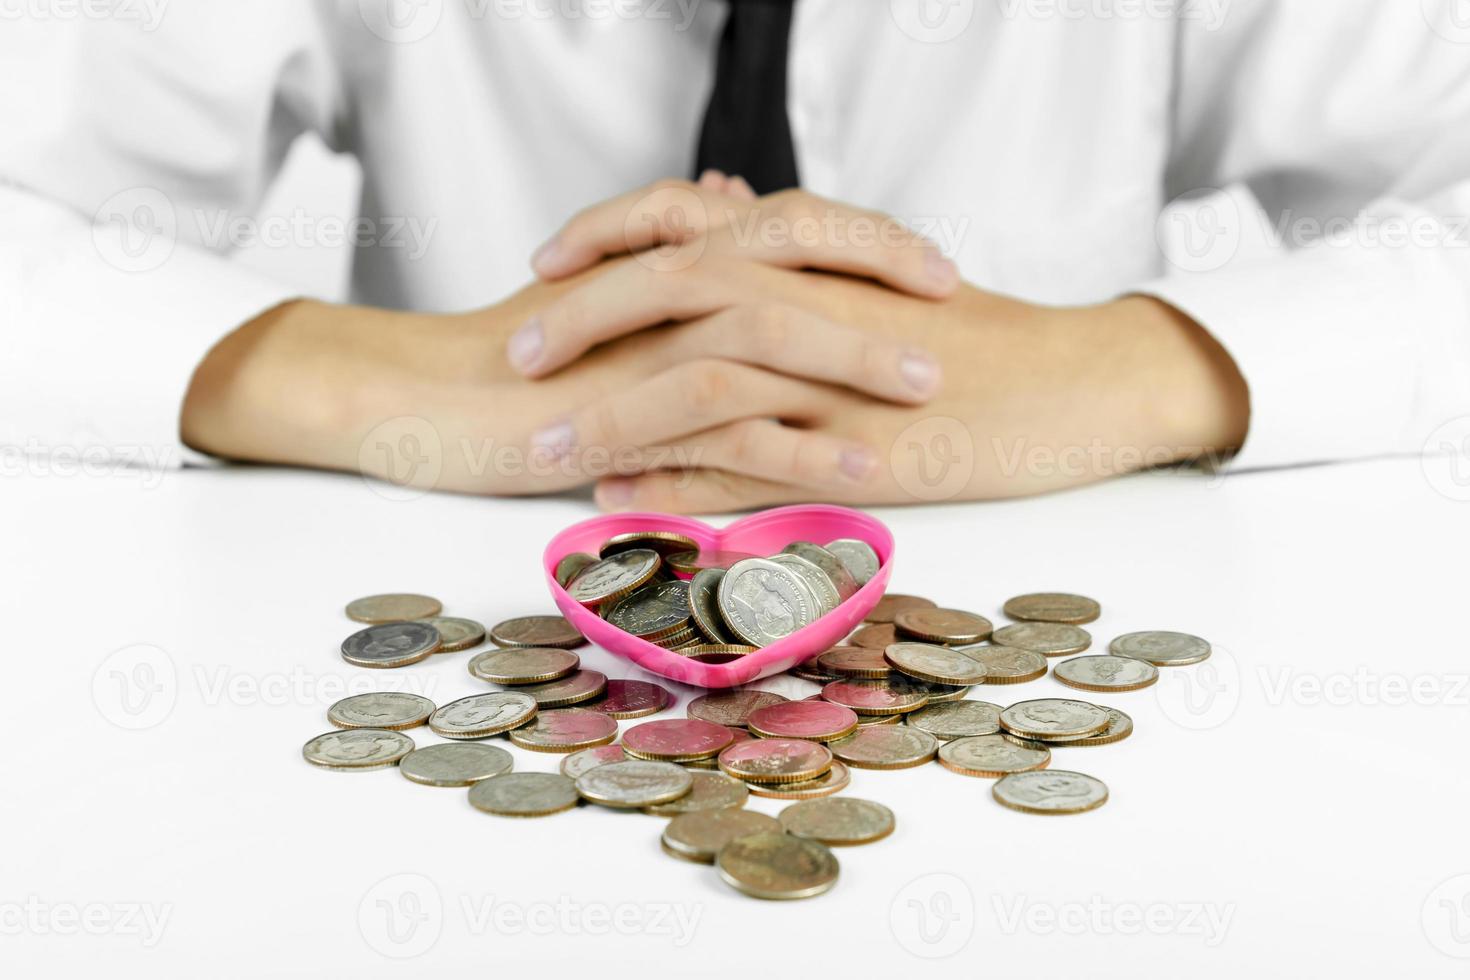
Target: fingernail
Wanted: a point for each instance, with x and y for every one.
(544, 260)
(614, 493)
(524, 348)
(555, 440)
(857, 463)
(920, 372)
(940, 269)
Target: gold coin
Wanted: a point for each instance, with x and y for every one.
(536, 631)
(1106, 673)
(887, 747)
(875, 635)
(777, 866)
(947, 626)
(854, 661)
(992, 756)
(894, 603)
(523, 665)
(1053, 607)
(834, 780)
(393, 607)
(699, 835)
(1007, 665)
(665, 543)
(838, 821)
(457, 633)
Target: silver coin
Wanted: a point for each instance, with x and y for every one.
(764, 602)
(482, 715)
(634, 784)
(523, 665)
(777, 866)
(393, 607)
(699, 835)
(381, 709)
(891, 747)
(711, 791)
(956, 719)
(1050, 791)
(357, 749)
(834, 780)
(1053, 718)
(1006, 665)
(455, 763)
(1106, 673)
(838, 820)
(829, 563)
(992, 756)
(1047, 639)
(570, 565)
(1162, 648)
(524, 794)
(614, 576)
(651, 609)
(391, 645)
(456, 633)
(579, 762)
(1053, 607)
(1120, 726)
(576, 687)
(821, 586)
(859, 557)
(704, 605)
(934, 663)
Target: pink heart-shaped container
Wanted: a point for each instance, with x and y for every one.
(764, 533)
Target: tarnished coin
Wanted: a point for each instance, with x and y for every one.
(809, 671)
(524, 794)
(1006, 665)
(894, 603)
(664, 542)
(393, 607)
(836, 572)
(631, 699)
(576, 687)
(357, 749)
(763, 602)
(730, 707)
(776, 760)
(523, 665)
(456, 633)
(838, 821)
(1120, 726)
(483, 715)
(579, 762)
(992, 756)
(820, 721)
(1053, 607)
(614, 577)
(1050, 791)
(950, 626)
(777, 866)
(390, 645)
(676, 739)
(886, 747)
(1106, 673)
(878, 636)
(933, 663)
(536, 631)
(569, 565)
(737, 735)
(634, 784)
(859, 557)
(956, 719)
(565, 730)
(893, 696)
(653, 611)
(392, 710)
(834, 780)
(1162, 648)
(943, 693)
(713, 653)
(854, 661)
(711, 791)
(699, 835)
(704, 605)
(1047, 639)
(1046, 718)
(689, 562)
(455, 763)
(869, 721)
(816, 580)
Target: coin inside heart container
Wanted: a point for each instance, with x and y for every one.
(765, 533)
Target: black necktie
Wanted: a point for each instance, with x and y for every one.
(746, 131)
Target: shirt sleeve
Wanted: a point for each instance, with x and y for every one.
(131, 145)
(1319, 230)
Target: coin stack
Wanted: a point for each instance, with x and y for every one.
(894, 695)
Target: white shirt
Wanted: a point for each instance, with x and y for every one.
(1040, 141)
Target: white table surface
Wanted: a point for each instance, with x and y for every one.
(1295, 807)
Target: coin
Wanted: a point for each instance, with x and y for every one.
(524, 665)
(777, 866)
(1162, 648)
(776, 760)
(838, 821)
(763, 602)
(482, 715)
(933, 663)
(699, 835)
(390, 645)
(868, 721)
(992, 756)
(455, 763)
(956, 719)
(1006, 665)
(859, 557)
(836, 572)
(689, 562)
(876, 697)
(393, 607)
(704, 605)
(1053, 718)
(634, 784)
(820, 721)
(875, 635)
(456, 633)
(664, 542)
(854, 661)
(1047, 639)
(1120, 726)
(631, 699)
(834, 780)
(1106, 673)
(816, 581)
(524, 794)
(730, 707)
(1053, 607)
(392, 710)
(653, 611)
(576, 687)
(713, 762)
(357, 749)
(676, 739)
(536, 631)
(711, 791)
(942, 626)
(709, 653)
(613, 577)
(1050, 791)
(810, 672)
(942, 693)
(569, 565)
(886, 747)
(894, 603)
(565, 730)
(579, 762)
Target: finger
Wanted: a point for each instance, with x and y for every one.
(714, 180)
(739, 188)
(694, 492)
(767, 450)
